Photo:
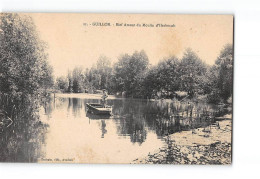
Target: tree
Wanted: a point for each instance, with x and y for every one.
(62, 84)
(130, 70)
(105, 71)
(222, 74)
(24, 69)
(94, 78)
(192, 70)
(151, 83)
(168, 74)
(78, 80)
(162, 78)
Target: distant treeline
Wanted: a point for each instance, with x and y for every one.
(133, 76)
(25, 73)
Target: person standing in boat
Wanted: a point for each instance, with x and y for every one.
(104, 97)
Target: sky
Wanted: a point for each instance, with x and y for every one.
(73, 40)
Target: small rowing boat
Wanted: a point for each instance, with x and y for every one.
(99, 109)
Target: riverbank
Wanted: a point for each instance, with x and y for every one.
(210, 145)
(98, 96)
(83, 95)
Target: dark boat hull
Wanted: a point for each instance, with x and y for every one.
(98, 109)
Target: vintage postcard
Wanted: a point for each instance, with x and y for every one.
(116, 88)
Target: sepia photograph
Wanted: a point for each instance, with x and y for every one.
(116, 88)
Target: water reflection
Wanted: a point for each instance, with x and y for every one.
(22, 141)
(135, 117)
(64, 129)
(103, 128)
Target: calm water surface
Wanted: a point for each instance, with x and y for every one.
(63, 131)
(136, 128)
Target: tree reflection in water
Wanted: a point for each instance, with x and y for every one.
(76, 105)
(21, 142)
(136, 117)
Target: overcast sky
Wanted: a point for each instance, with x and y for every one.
(71, 43)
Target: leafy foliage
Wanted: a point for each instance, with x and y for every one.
(163, 77)
(100, 74)
(62, 84)
(130, 70)
(23, 62)
(222, 76)
(134, 77)
(192, 71)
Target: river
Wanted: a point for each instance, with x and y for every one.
(135, 129)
